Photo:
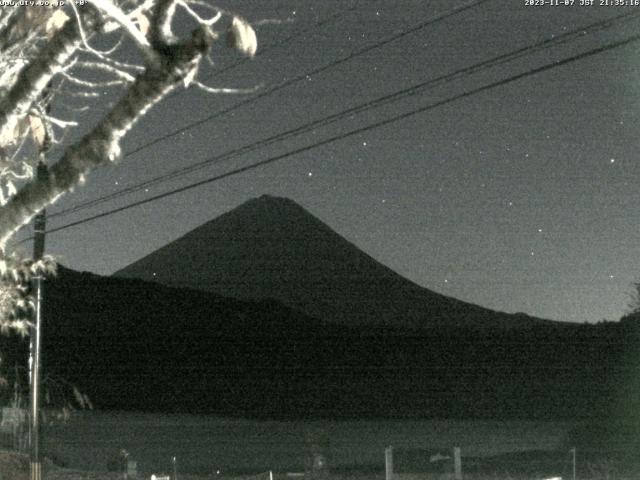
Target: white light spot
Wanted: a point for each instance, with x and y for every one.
(364, 144)
(613, 160)
(539, 230)
(612, 277)
(310, 174)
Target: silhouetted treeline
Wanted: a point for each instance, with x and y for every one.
(133, 345)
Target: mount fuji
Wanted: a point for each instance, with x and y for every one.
(272, 248)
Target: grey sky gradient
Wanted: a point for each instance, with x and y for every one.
(520, 198)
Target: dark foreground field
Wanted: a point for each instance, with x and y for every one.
(204, 444)
(83, 448)
(14, 466)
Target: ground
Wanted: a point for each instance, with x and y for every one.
(15, 466)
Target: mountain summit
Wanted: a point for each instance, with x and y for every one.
(271, 247)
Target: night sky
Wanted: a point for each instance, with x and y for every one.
(520, 198)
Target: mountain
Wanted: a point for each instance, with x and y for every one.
(271, 247)
(317, 328)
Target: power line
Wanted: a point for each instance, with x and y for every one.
(498, 60)
(360, 130)
(298, 78)
(394, 37)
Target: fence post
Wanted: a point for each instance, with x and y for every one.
(388, 463)
(174, 461)
(457, 463)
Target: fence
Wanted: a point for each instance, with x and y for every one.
(414, 463)
(403, 462)
(14, 428)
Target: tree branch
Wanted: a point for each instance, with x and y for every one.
(33, 78)
(160, 28)
(102, 144)
(129, 27)
(20, 24)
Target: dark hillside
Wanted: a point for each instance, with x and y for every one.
(140, 346)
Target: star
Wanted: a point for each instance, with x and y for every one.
(613, 160)
(310, 174)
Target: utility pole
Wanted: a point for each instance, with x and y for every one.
(39, 226)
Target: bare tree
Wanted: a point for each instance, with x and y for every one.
(634, 302)
(49, 57)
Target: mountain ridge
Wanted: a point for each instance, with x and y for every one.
(271, 247)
